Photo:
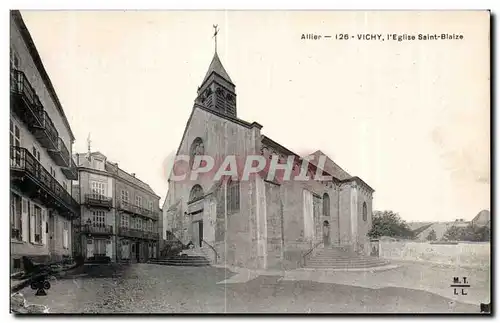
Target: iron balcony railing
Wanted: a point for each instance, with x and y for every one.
(70, 172)
(29, 107)
(97, 229)
(21, 160)
(98, 200)
(47, 134)
(134, 233)
(132, 208)
(60, 154)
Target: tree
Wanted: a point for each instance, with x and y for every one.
(390, 224)
(454, 233)
(468, 233)
(432, 235)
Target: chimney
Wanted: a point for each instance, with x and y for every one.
(133, 174)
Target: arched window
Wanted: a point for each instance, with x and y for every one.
(196, 193)
(233, 196)
(365, 211)
(326, 205)
(197, 149)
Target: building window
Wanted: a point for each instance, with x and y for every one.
(124, 221)
(365, 211)
(138, 200)
(151, 205)
(138, 223)
(196, 193)
(98, 218)
(15, 134)
(36, 154)
(16, 216)
(233, 196)
(124, 196)
(66, 235)
(150, 225)
(98, 190)
(14, 59)
(17, 263)
(100, 247)
(15, 140)
(38, 224)
(326, 204)
(98, 164)
(197, 149)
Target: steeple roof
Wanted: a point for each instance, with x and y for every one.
(216, 67)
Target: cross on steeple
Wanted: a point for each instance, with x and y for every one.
(216, 30)
(217, 91)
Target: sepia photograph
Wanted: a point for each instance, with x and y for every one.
(247, 162)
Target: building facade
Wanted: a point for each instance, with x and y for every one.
(258, 222)
(119, 212)
(41, 168)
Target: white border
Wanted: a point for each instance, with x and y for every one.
(494, 5)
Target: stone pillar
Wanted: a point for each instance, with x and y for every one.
(261, 222)
(354, 217)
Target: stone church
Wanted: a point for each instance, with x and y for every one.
(259, 223)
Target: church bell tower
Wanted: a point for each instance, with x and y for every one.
(217, 91)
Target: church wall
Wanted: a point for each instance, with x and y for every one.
(295, 245)
(345, 214)
(220, 138)
(333, 219)
(274, 216)
(238, 232)
(364, 226)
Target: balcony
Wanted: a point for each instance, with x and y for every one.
(47, 133)
(95, 229)
(24, 101)
(152, 235)
(134, 209)
(33, 179)
(97, 200)
(134, 233)
(70, 172)
(60, 155)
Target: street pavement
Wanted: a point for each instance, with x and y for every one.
(148, 288)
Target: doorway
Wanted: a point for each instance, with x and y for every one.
(137, 251)
(198, 233)
(326, 233)
(50, 229)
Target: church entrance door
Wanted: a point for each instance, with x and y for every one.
(326, 233)
(198, 233)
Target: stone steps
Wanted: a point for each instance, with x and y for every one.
(342, 258)
(192, 261)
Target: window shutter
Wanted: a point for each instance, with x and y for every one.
(32, 222)
(65, 239)
(24, 219)
(44, 231)
(109, 249)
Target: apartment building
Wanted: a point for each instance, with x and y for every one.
(119, 212)
(41, 168)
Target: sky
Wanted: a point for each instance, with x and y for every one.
(411, 118)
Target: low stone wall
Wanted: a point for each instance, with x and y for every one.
(464, 254)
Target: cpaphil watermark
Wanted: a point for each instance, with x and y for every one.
(244, 168)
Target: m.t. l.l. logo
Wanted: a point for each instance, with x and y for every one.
(460, 285)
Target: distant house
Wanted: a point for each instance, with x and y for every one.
(482, 219)
(422, 229)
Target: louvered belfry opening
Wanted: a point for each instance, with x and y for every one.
(217, 91)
